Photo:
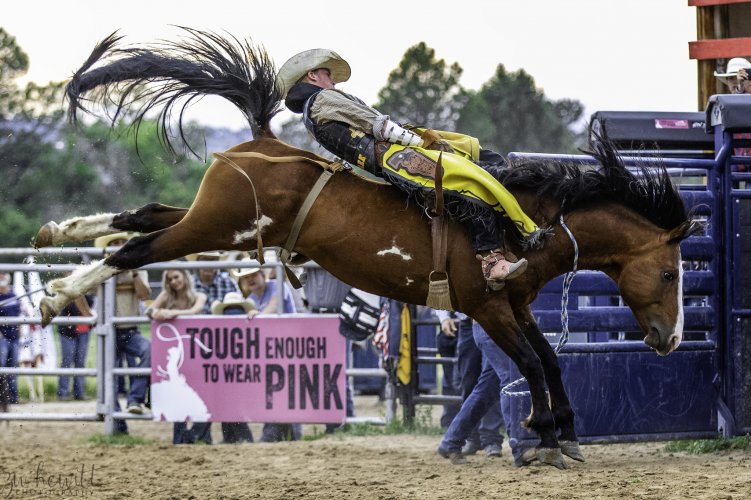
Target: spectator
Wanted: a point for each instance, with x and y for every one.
(234, 304)
(132, 287)
(212, 282)
(178, 297)
(486, 434)
(9, 344)
(253, 285)
(496, 369)
(446, 343)
(74, 347)
(736, 76)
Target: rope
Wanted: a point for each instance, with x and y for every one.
(564, 312)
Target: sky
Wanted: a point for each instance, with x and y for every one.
(628, 55)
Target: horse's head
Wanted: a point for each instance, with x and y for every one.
(651, 283)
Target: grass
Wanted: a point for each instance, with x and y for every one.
(700, 446)
(421, 425)
(118, 440)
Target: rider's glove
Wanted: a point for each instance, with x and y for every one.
(395, 133)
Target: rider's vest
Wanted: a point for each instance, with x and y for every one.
(348, 143)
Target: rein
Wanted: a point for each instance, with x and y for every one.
(285, 254)
(564, 310)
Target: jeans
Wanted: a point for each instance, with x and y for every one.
(236, 432)
(469, 365)
(73, 351)
(130, 342)
(9, 359)
(447, 349)
(487, 392)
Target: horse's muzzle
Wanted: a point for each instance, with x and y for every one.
(663, 348)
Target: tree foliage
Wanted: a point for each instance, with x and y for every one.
(423, 90)
(509, 113)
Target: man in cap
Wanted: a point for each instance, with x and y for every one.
(132, 287)
(348, 128)
(736, 76)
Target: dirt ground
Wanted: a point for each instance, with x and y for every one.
(37, 458)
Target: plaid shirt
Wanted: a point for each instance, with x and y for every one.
(218, 288)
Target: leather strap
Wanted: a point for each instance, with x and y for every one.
(286, 251)
(439, 223)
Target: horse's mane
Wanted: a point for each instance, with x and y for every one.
(166, 73)
(645, 189)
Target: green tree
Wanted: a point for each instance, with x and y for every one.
(509, 113)
(423, 90)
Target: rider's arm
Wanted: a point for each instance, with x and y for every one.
(333, 105)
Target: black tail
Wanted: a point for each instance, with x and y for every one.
(158, 76)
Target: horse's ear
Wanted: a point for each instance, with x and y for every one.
(684, 230)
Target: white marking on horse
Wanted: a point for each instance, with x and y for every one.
(410, 281)
(396, 251)
(250, 234)
(678, 330)
(84, 278)
(84, 228)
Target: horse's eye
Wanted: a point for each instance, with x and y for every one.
(668, 276)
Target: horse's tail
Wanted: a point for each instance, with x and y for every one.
(203, 63)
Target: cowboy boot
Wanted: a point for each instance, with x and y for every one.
(496, 269)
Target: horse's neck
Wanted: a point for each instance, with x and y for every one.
(606, 237)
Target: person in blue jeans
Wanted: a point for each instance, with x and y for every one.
(495, 374)
(9, 342)
(486, 435)
(74, 346)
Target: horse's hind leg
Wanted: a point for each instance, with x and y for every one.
(147, 219)
(559, 402)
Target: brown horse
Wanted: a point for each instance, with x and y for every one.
(627, 225)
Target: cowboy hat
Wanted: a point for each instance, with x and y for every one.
(298, 66)
(232, 299)
(104, 241)
(245, 271)
(213, 255)
(731, 71)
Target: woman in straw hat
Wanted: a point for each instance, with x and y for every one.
(361, 135)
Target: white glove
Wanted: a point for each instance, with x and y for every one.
(395, 133)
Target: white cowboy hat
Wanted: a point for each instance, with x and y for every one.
(104, 241)
(232, 299)
(731, 71)
(298, 66)
(245, 271)
(213, 255)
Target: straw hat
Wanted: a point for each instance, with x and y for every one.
(232, 299)
(104, 241)
(245, 271)
(731, 71)
(298, 66)
(212, 255)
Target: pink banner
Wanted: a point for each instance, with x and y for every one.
(285, 369)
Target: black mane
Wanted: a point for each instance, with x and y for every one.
(648, 191)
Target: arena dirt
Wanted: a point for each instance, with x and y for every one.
(346, 467)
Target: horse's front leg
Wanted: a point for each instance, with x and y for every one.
(147, 219)
(505, 331)
(559, 402)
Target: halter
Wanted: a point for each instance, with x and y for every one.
(564, 308)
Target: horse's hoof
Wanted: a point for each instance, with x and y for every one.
(571, 449)
(549, 456)
(46, 235)
(48, 312)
